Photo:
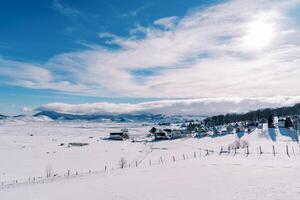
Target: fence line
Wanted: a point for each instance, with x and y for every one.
(161, 161)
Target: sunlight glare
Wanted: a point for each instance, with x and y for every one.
(259, 33)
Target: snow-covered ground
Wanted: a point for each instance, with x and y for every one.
(187, 168)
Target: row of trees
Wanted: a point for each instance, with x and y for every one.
(257, 115)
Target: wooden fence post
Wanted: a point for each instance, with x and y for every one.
(221, 150)
(293, 150)
(260, 151)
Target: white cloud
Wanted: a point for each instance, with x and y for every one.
(203, 54)
(167, 22)
(204, 106)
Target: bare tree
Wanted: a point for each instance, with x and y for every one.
(239, 143)
(122, 163)
(49, 171)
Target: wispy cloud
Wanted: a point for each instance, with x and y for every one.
(36, 76)
(136, 11)
(218, 51)
(167, 22)
(65, 10)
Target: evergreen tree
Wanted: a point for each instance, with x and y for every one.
(288, 123)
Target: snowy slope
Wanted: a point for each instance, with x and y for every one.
(187, 168)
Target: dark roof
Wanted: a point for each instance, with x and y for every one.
(117, 133)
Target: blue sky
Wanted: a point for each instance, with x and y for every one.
(81, 52)
(35, 31)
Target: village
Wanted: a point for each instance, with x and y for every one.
(198, 129)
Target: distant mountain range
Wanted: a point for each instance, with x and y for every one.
(103, 117)
(153, 118)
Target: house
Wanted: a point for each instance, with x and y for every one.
(122, 135)
(77, 144)
(167, 133)
(162, 134)
(219, 130)
(251, 126)
(202, 131)
(215, 130)
(177, 133)
(229, 128)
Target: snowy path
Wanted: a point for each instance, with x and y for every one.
(144, 153)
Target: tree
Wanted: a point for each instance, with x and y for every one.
(122, 163)
(288, 123)
(297, 127)
(271, 121)
(261, 115)
(152, 130)
(191, 127)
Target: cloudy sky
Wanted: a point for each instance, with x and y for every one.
(186, 57)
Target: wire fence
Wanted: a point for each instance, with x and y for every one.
(259, 151)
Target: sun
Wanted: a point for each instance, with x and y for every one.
(259, 33)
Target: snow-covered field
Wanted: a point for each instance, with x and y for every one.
(187, 168)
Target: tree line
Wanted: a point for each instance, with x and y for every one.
(260, 115)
